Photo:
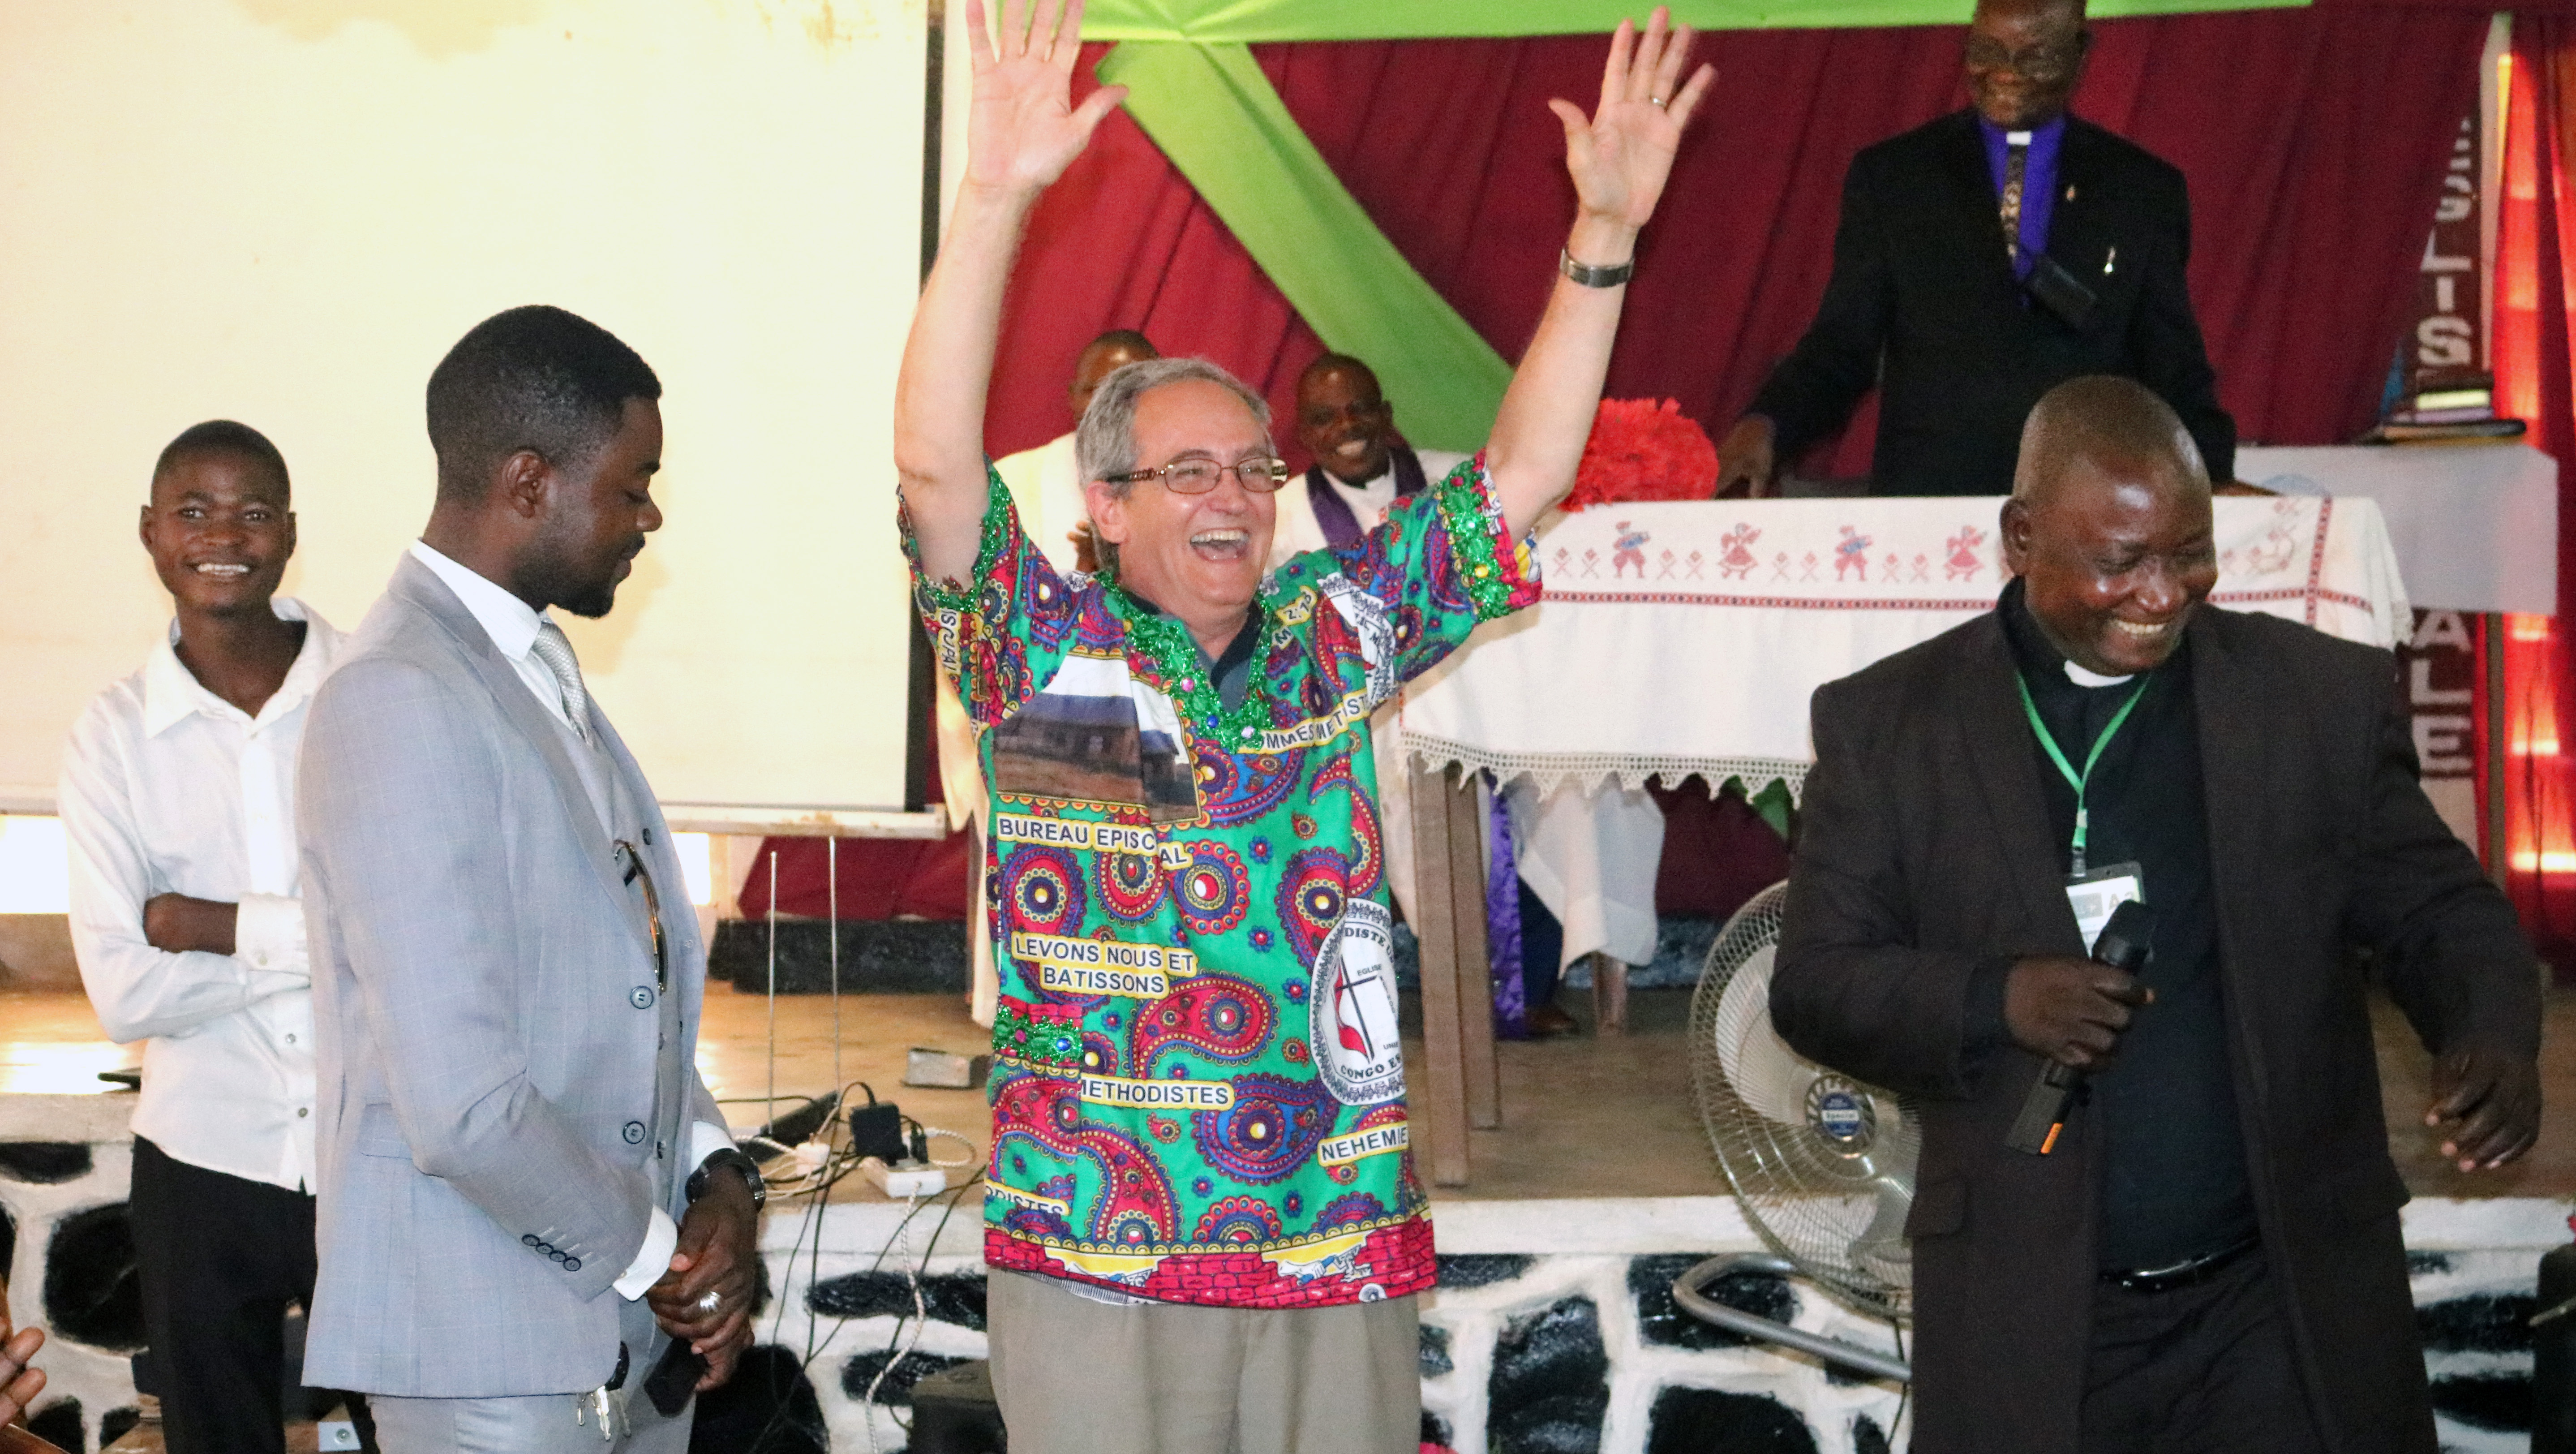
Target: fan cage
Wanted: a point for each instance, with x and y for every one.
(1795, 1187)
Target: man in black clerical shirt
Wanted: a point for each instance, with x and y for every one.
(2209, 1257)
(2174, 1188)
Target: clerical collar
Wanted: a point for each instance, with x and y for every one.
(2083, 678)
(2045, 135)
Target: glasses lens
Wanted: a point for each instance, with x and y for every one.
(1190, 477)
(1263, 474)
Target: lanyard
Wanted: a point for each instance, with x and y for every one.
(2065, 769)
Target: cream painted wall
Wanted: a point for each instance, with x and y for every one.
(284, 212)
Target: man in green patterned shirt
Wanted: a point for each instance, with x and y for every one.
(1202, 1223)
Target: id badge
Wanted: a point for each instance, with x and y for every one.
(2093, 896)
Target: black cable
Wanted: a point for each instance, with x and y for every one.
(895, 1339)
(836, 1168)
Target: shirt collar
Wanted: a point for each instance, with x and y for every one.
(2043, 137)
(1238, 650)
(1383, 479)
(504, 617)
(172, 693)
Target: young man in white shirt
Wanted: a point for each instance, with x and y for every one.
(178, 799)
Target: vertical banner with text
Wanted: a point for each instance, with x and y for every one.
(2445, 350)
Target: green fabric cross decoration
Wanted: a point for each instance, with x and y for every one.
(1195, 89)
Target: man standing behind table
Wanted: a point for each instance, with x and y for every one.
(1981, 260)
(508, 986)
(1361, 468)
(2209, 1257)
(178, 798)
(1045, 482)
(1361, 465)
(1201, 1218)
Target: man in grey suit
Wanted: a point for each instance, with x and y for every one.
(534, 1232)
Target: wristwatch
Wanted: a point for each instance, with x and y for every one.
(735, 1157)
(1590, 275)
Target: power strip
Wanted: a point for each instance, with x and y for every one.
(905, 1179)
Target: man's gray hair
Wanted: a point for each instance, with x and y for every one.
(1105, 446)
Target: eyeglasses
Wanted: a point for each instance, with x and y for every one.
(635, 869)
(2038, 62)
(1198, 476)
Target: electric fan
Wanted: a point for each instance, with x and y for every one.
(1822, 1164)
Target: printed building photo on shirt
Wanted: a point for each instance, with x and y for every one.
(1097, 736)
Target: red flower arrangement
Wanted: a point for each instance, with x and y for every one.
(1641, 449)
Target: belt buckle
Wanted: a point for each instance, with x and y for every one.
(2181, 1274)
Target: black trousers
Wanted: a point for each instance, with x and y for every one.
(220, 1259)
(2206, 1369)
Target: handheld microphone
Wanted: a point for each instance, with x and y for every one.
(2123, 945)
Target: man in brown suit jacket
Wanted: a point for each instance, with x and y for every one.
(2210, 1257)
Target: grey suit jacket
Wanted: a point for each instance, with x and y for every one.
(504, 1091)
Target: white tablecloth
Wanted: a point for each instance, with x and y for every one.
(1682, 638)
(1686, 638)
(2475, 526)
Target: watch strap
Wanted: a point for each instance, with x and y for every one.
(739, 1160)
(1591, 276)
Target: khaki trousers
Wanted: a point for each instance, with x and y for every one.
(1075, 1376)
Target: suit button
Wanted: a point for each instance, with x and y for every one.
(572, 1264)
(648, 837)
(642, 998)
(555, 1253)
(634, 1133)
(530, 1240)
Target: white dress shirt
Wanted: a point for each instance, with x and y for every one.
(513, 625)
(1046, 484)
(1296, 530)
(168, 788)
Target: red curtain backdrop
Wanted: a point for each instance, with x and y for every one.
(2536, 226)
(2314, 141)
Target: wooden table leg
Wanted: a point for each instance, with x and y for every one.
(1609, 995)
(1439, 1092)
(1474, 963)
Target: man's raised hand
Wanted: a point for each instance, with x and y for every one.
(1621, 155)
(1023, 130)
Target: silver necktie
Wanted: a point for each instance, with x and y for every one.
(555, 650)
